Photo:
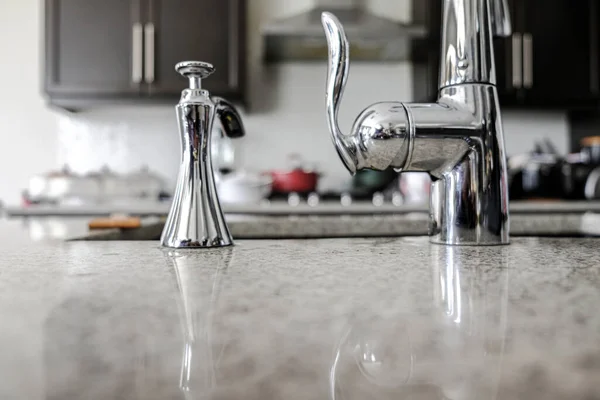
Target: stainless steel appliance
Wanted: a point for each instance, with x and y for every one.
(375, 38)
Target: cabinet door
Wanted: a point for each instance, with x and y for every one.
(93, 48)
(509, 56)
(201, 30)
(560, 52)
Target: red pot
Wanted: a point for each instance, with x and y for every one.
(296, 180)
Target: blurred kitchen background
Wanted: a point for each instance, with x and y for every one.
(72, 107)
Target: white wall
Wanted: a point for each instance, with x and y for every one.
(27, 128)
(37, 139)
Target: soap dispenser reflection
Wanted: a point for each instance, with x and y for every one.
(452, 347)
(200, 282)
(195, 219)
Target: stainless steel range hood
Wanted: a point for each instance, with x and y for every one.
(372, 38)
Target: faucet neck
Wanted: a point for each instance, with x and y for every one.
(467, 48)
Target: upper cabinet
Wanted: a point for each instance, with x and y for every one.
(559, 40)
(549, 61)
(206, 30)
(115, 51)
(90, 48)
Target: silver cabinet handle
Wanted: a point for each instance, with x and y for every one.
(136, 61)
(149, 63)
(527, 60)
(517, 60)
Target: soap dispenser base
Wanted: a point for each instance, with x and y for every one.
(196, 219)
(204, 244)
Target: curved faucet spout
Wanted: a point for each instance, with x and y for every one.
(337, 74)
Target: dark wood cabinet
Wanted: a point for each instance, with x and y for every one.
(88, 48)
(178, 37)
(508, 56)
(549, 61)
(114, 51)
(560, 52)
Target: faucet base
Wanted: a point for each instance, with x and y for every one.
(468, 206)
(442, 242)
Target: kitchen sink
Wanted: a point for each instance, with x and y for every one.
(525, 223)
(281, 221)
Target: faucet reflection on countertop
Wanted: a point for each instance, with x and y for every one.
(453, 350)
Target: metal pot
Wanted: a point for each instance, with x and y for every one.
(243, 187)
(62, 187)
(590, 148)
(592, 185)
(367, 182)
(536, 175)
(144, 184)
(297, 178)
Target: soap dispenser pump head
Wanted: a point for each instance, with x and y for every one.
(195, 71)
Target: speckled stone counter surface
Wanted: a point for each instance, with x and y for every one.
(301, 319)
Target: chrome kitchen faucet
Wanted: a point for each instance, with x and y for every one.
(458, 140)
(196, 219)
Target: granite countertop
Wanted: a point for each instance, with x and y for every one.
(358, 318)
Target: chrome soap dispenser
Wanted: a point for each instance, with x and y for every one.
(195, 219)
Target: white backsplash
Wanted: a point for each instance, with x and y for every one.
(123, 139)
